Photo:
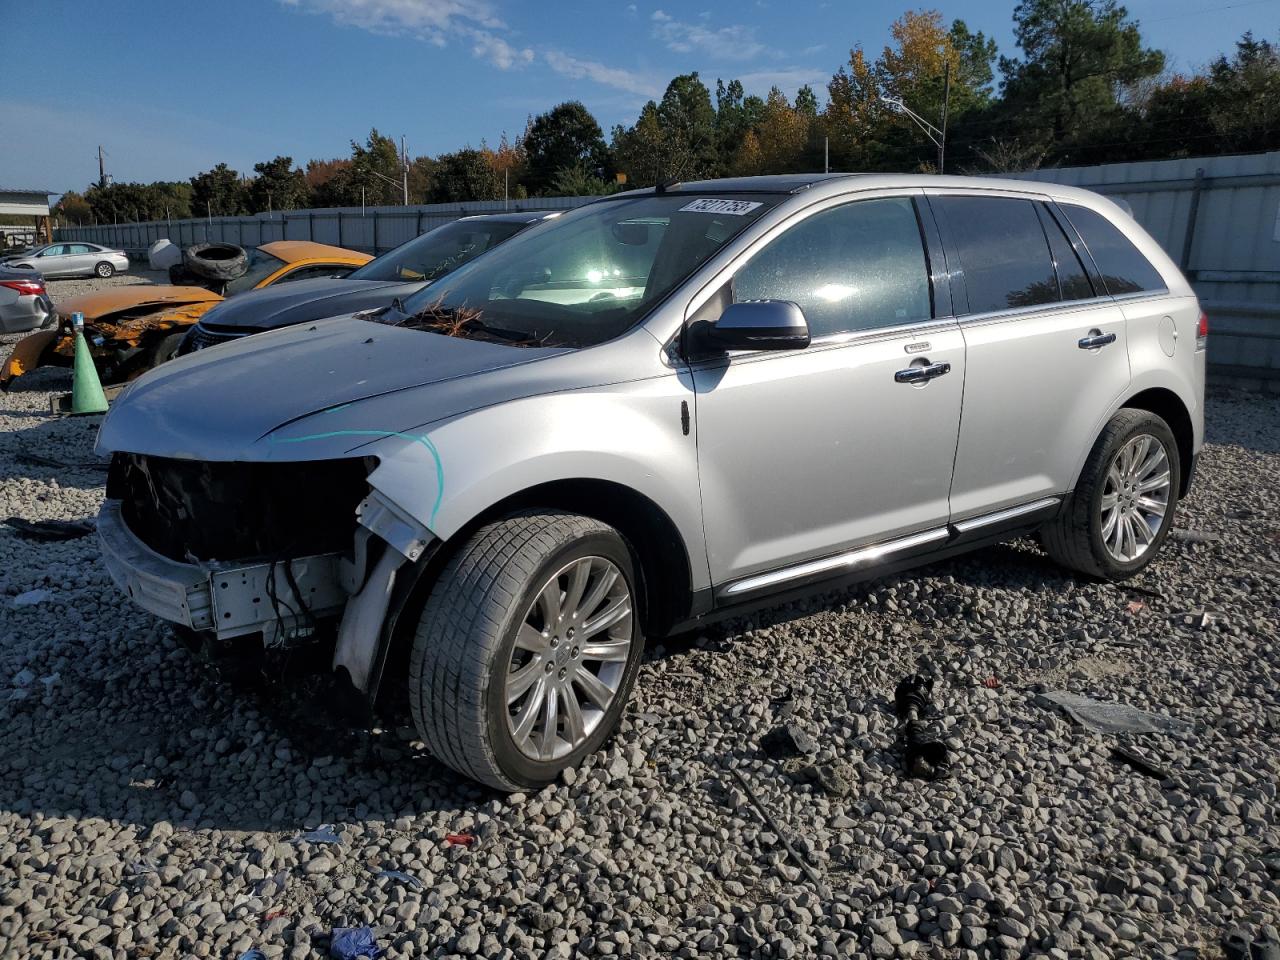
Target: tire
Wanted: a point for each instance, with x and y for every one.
(166, 349)
(216, 261)
(465, 650)
(1080, 538)
(104, 270)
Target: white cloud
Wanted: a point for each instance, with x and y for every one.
(735, 42)
(431, 20)
(577, 69)
(497, 51)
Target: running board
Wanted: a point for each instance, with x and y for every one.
(846, 562)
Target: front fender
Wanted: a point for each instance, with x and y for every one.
(631, 434)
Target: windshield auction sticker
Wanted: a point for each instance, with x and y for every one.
(734, 208)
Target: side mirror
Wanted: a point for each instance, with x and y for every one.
(760, 325)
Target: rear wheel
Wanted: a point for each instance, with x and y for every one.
(1121, 511)
(527, 649)
(104, 269)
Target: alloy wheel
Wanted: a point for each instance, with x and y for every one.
(569, 658)
(1135, 498)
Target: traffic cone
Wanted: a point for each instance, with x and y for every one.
(86, 388)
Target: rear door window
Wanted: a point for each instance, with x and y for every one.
(1073, 282)
(1124, 269)
(1002, 250)
(855, 267)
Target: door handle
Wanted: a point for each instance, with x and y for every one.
(1095, 341)
(921, 374)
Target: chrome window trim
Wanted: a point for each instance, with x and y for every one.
(1019, 313)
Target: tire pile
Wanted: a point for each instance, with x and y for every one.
(210, 265)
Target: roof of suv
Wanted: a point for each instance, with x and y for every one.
(792, 183)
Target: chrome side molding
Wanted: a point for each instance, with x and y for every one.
(1000, 516)
(864, 555)
(841, 561)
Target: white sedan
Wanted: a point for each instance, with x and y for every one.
(72, 260)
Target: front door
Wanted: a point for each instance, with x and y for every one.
(53, 261)
(809, 454)
(1046, 356)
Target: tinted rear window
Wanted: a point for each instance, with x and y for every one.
(1124, 269)
(1072, 280)
(1002, 251)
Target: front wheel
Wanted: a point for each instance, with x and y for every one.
(104, 270)
(527, 649)
(1121, 511)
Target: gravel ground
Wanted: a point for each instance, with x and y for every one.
(147, 807)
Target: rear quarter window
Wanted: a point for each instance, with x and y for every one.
(1123, 267)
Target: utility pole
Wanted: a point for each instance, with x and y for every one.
(946, 102)
(404, 163)
(102, 170)
(826, 154)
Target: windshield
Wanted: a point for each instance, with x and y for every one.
(439, 251)
(261, 266)
(586, 277)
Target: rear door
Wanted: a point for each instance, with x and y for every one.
(809, 454)
(1045, 345)
(82, 258)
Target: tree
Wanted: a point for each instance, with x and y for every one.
(129, 202)
(376, 167)
(915, 69)
(566, 136)
(778, 144)
(278, 186)
(855, 117)
(686, 113)
(73, 208)
(466, 174)
(580, 181)
(1076, 54)
(736, 115)
(218, 192)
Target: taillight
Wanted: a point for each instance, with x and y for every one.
(1202, 331)
(25, 288)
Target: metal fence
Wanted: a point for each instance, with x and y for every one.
(1218, 217)
(372, 229)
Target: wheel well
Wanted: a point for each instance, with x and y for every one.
(1168, 407)
(665, 577)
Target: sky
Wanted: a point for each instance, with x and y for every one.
(171, 87)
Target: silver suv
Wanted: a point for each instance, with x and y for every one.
(652, 412)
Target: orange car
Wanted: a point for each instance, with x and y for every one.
(131, 329)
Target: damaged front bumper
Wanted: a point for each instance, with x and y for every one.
(281, 600)
(285, 601)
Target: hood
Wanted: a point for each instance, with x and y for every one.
(233, 403)
(117, 299)
(284, 304)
